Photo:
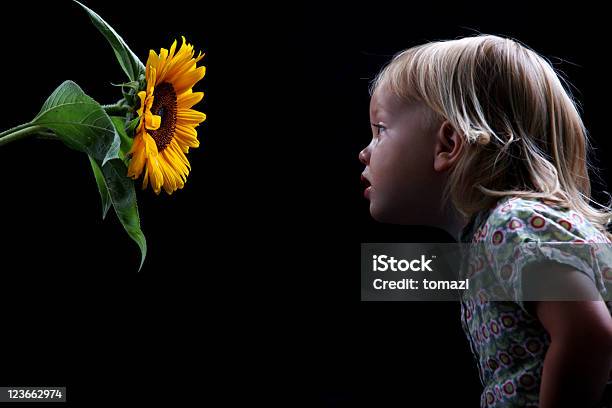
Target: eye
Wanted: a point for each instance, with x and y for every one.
(379, 128)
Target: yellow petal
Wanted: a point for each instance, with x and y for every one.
(155, 174)
(186, 129)
(172, 50)
(138, 158)
(150, 145)
(186, 136)
(169, 178)
(171, 60)
(179, 168)
(188, 80)
(161, 66)
(142, 95)
(188, 99)
(152, 122)
(145, 179)
(176, 148)
(151, 75)
(153, 59)
(190, 117)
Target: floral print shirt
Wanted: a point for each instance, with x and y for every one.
(508, 342)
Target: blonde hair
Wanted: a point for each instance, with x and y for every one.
(523, 130)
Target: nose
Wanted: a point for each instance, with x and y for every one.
(364, 156)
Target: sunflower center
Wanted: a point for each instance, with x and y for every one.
(164, 105)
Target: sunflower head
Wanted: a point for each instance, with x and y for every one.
(166, 129)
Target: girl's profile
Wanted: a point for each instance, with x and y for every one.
(480, 137)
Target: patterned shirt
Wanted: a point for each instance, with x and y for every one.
(508, 342)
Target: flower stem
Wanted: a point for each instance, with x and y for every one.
(19, 132)
(116, 109)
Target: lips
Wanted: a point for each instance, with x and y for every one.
(365, 181)
(368, 186)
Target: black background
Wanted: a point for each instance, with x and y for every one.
(251, 286)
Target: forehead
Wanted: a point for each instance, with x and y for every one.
(386, 106)
(384, 102)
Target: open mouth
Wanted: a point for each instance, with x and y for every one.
(367, 186)
(365, 181)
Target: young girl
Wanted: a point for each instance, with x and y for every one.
(484, 127)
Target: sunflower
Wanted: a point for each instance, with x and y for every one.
(166, 129)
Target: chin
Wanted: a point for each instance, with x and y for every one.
(382, 214)
(398, 216)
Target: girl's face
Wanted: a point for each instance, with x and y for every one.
(404, 185)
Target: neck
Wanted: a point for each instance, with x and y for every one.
(453, 222)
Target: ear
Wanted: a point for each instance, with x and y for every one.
(448, 147)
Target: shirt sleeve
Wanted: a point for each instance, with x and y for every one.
(521, 233)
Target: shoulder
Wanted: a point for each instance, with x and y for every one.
(516, 220)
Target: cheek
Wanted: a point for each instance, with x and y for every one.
(399, 169)
(403, 183)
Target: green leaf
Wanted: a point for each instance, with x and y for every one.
(123, 198)
(130, 63)
(80, 122)
(126, 142)
(131, 126)
(104, 194)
